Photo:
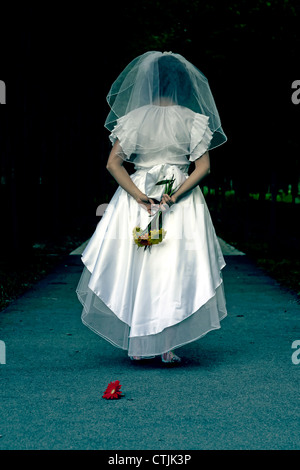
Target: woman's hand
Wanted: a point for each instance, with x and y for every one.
(167, 201)
(145, 202)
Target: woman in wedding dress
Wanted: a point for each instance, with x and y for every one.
(152, 300)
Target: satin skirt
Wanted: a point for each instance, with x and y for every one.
(151, 301)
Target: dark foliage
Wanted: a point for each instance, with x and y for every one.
(58, 63)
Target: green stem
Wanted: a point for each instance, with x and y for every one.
(158, 215)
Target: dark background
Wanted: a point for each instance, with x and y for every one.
(58, 63)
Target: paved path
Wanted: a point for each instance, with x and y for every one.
(238, 388)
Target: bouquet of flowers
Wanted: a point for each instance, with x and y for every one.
(154, 234)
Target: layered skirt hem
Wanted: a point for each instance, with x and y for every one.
(97, 316)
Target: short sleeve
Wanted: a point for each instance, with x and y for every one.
(126, 133)
(201, 136)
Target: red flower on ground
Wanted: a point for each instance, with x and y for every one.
(113, 391)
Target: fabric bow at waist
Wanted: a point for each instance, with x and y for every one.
(162, 172)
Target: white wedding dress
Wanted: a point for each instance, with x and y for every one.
(152, 301)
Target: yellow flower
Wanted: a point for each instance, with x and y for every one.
(157, 236)
(148, 239)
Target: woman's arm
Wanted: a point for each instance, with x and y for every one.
(116, 169)
(202, 168)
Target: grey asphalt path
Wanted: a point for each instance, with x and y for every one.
(237, 389)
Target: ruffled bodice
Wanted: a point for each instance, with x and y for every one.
(152, 135)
